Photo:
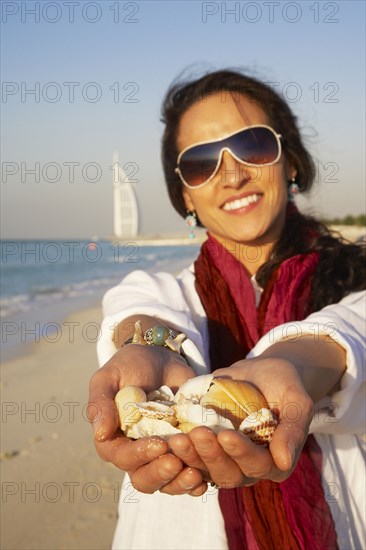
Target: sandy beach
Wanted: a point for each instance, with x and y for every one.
(56, 492)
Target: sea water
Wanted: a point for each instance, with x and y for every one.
(43, 281)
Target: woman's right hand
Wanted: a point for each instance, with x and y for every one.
(148, 461)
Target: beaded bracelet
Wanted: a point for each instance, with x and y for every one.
(159, 335)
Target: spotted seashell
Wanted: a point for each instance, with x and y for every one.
(259, 426)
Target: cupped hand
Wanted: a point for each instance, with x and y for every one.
(148, 461)
(186, 463)
(230, 458)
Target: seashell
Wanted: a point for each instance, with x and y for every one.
(147, 427)
(243, 393)
(175, 344)
(157, 411)
(138, 337)
(192, 415)
(162, 395)
(193, 389)
(218, 403)
(126, 400)
(186, 427)
(234, 399)
(259, 426)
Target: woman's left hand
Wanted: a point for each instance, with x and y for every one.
(230, 458)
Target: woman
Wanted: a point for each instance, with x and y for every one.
(273, 299)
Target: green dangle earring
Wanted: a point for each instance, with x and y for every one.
(191, 221)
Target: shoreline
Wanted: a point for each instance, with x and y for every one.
(179, 240)
(143, 240)
(28, 331)
(173, 239)
(57, 492)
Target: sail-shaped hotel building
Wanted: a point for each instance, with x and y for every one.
(125, 214)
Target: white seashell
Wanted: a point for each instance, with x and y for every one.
(138, 337)
(175, 344)
(195, 415)
(192, 413)
(158, 411)
(162, 395)
(259, 426)
(147, 427)
(186, 427)
(193, 389)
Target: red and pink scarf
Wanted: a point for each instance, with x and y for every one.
(292, 515)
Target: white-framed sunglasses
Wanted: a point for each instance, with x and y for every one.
(257, 145)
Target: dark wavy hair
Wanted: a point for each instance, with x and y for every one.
(341, 267)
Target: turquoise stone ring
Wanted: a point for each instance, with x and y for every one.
(157, 335)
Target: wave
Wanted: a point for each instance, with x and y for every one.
(43, 295)
(28, 283)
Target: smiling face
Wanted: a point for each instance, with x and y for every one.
(240, 204)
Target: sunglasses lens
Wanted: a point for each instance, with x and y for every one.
(199, 163)
(256, 145)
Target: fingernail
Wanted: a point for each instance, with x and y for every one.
(291, 451)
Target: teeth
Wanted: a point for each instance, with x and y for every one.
(241, 203)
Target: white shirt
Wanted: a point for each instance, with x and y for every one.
(182, 522)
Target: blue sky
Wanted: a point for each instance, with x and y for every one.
(100, 74)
